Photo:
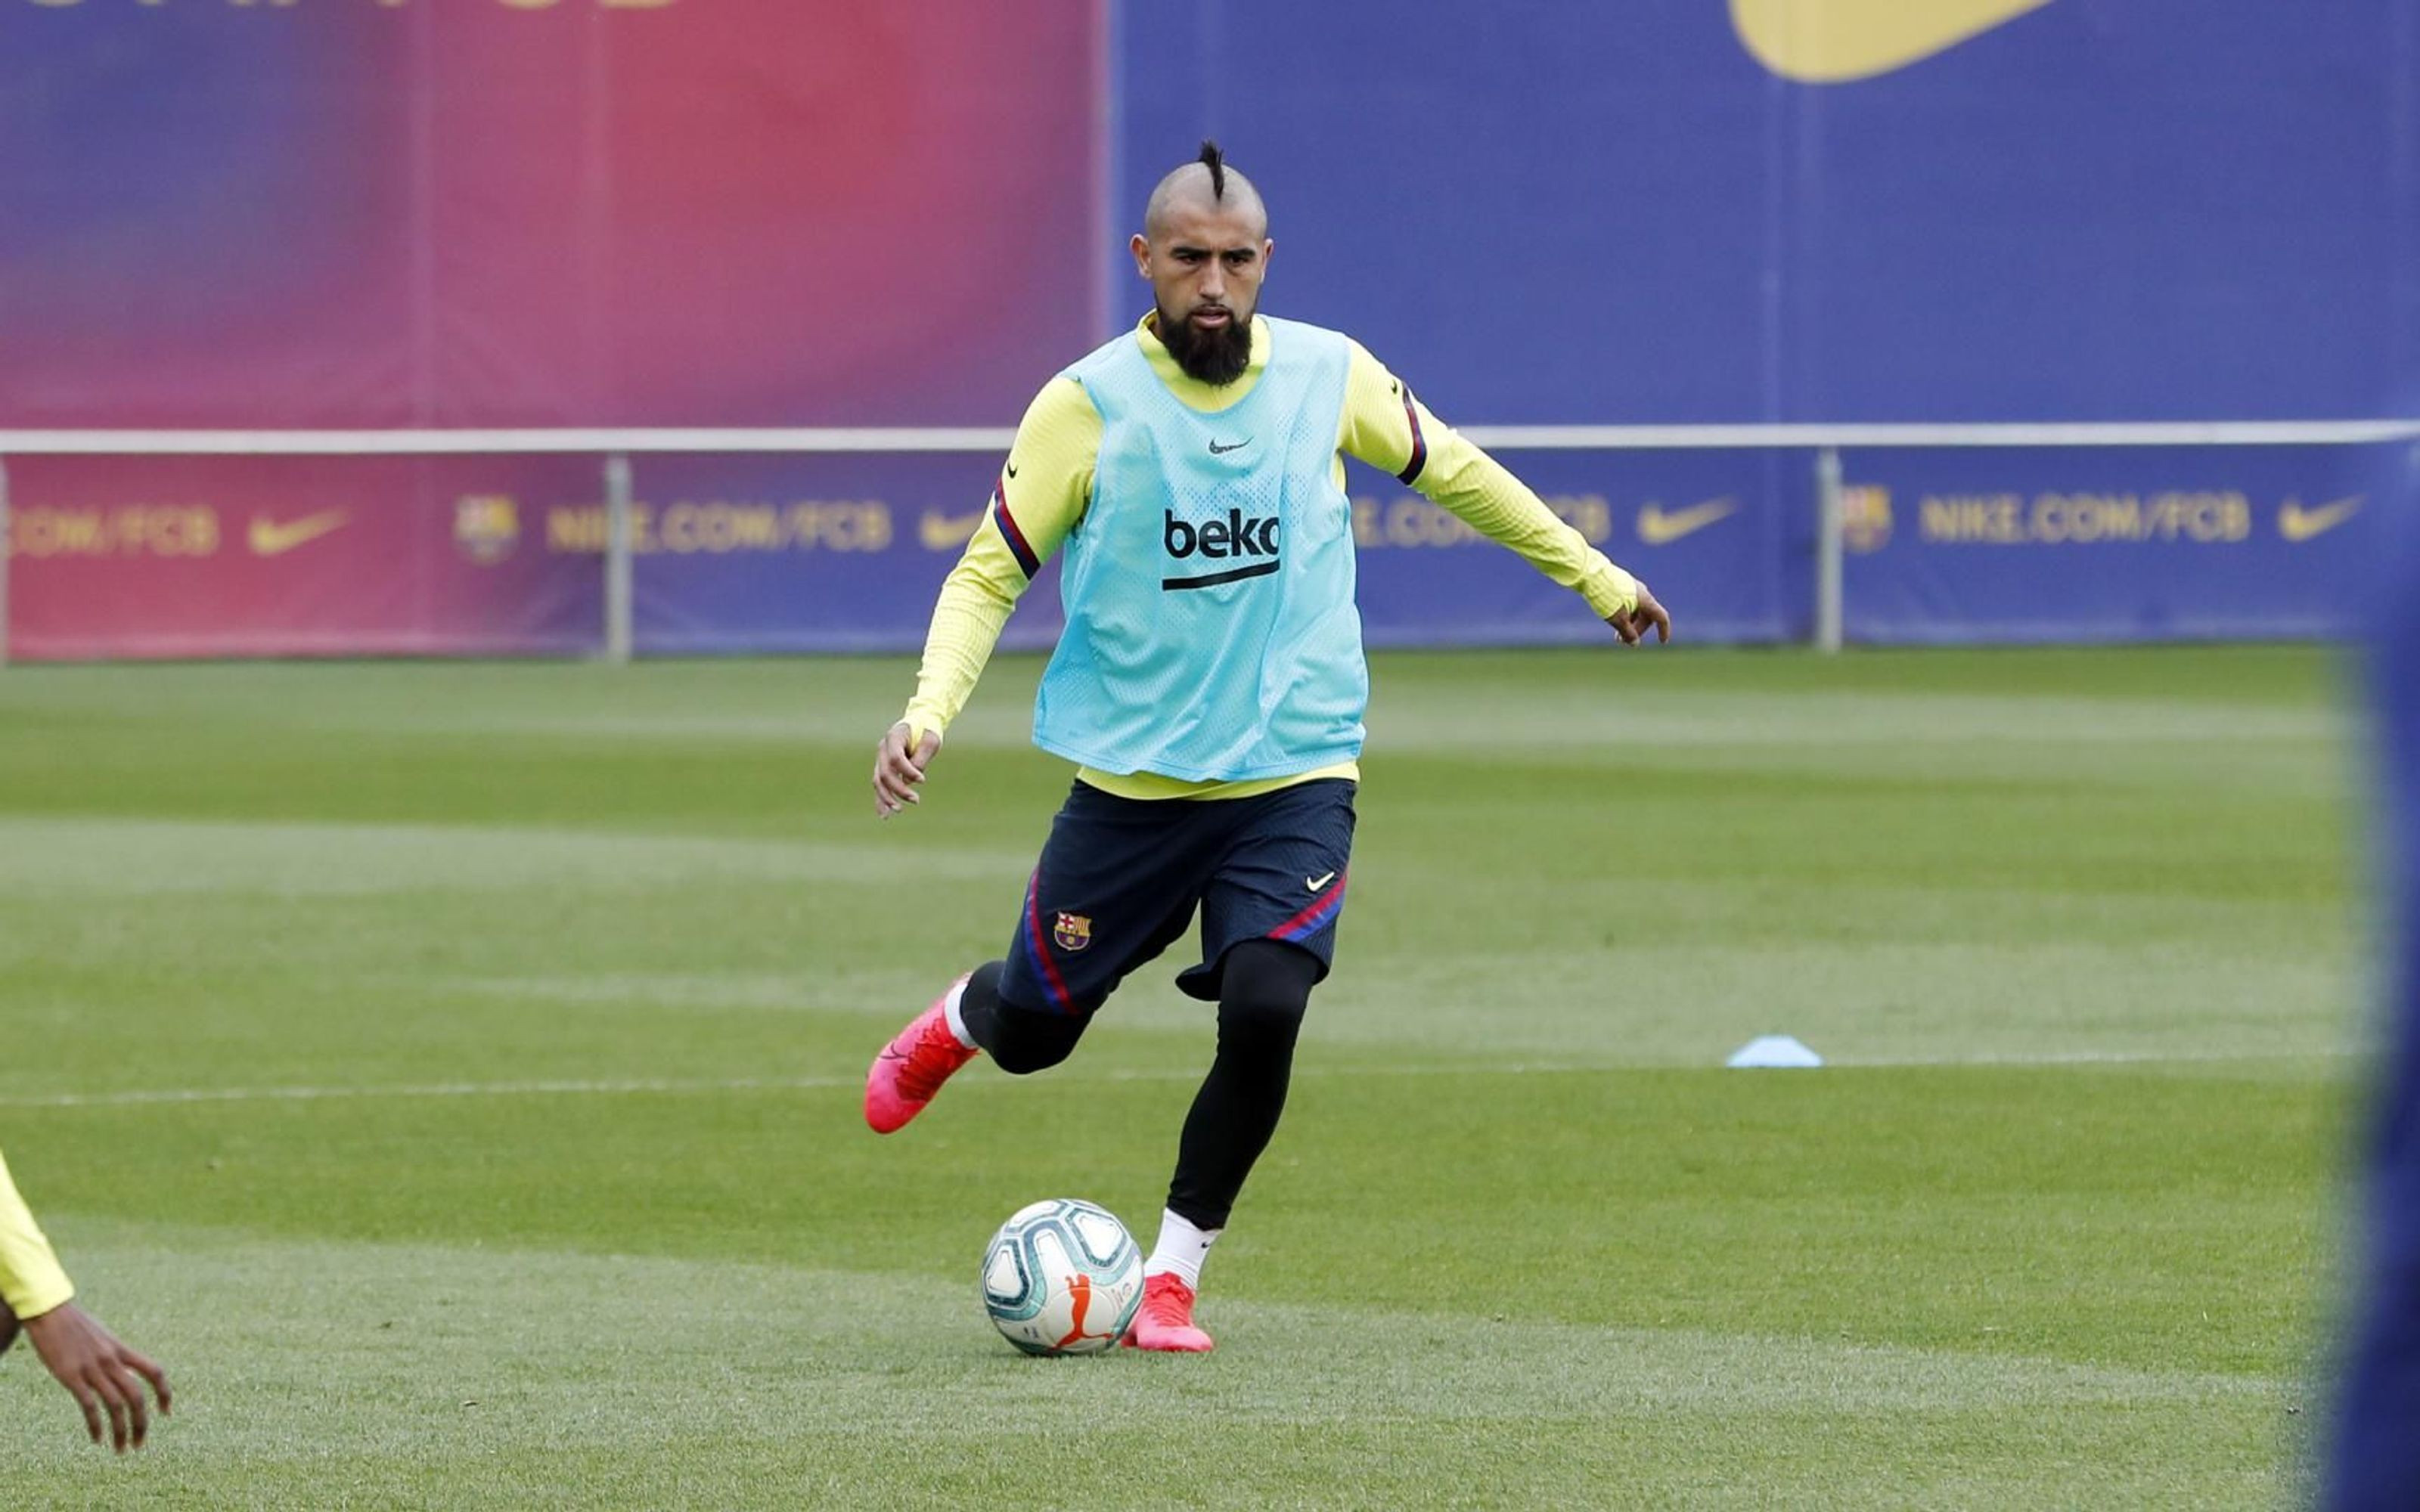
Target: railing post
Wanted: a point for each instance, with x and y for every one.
(1827, 551)
(617, 557)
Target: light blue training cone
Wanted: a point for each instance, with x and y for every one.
(1774, 1050)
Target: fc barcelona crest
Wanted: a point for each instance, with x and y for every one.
(1073, 931)
(1865, 518)
(486, 527)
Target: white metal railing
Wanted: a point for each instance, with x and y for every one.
(989, 438)
(617, 447)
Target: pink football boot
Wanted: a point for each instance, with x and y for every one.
(912, 1066)
(1165, 1321)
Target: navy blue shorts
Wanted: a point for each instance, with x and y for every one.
(1120, 877)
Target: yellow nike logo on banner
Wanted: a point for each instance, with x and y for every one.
(1658, 527)
(945, 532)
(2295, 523)
(1834, 41)
(273, 538)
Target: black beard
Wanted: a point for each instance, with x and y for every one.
(1217, 357)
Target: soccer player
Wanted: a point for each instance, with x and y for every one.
(98, 1371)
(1209, 683)
(2377, 1450)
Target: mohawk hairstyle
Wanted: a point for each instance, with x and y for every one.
(1215, 162)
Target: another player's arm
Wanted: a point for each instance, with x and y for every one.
(1386, 426)
(98, 1371)
(31, 1280)
(1040, 495)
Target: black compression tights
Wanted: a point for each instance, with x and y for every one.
(1262, 992)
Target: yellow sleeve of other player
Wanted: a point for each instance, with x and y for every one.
(1385, 427)
(1040, 495)
(31, 1282)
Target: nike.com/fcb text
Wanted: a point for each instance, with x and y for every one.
(2082, 519)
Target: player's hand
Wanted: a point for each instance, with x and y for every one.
(1634, 626)
(897, 770)
(99, 1372)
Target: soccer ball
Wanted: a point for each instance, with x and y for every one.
(1062, 1277)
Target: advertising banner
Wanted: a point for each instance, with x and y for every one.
(158, 557)
(2109, 544)
(841, 553)
(495, 556)
(297, 556)
(822, 553)
(846, 553)
(1727, 538)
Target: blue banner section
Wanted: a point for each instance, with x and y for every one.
(846, 552)
(2114, 544)
(1943, 545)
(1724, 538)
(840, 552)
(1810, 210)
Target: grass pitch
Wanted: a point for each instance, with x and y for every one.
(451, 1074)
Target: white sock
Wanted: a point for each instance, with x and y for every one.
(956, 1018)
(1180, 1250)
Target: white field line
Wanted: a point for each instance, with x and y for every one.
(135, 1097)
(2094, 1057)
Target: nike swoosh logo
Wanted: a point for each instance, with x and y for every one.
(1835, 41)
(2295, 523)
(271, 538)
(1012, 470)
(947, 532)
(1217, 450)
(1314, 883)
(1657, 527)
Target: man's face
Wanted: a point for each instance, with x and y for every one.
(1205, 266)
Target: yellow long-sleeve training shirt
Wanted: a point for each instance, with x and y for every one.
(31, 1282)
(1047, 484)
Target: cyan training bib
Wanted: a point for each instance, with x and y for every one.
(1211, 630)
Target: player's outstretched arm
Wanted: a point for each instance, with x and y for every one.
(1633, 624)
(104, 1376)
(1383, 425)
(899, 766)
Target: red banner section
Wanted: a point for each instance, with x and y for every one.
(301, 556)
(508, 212)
